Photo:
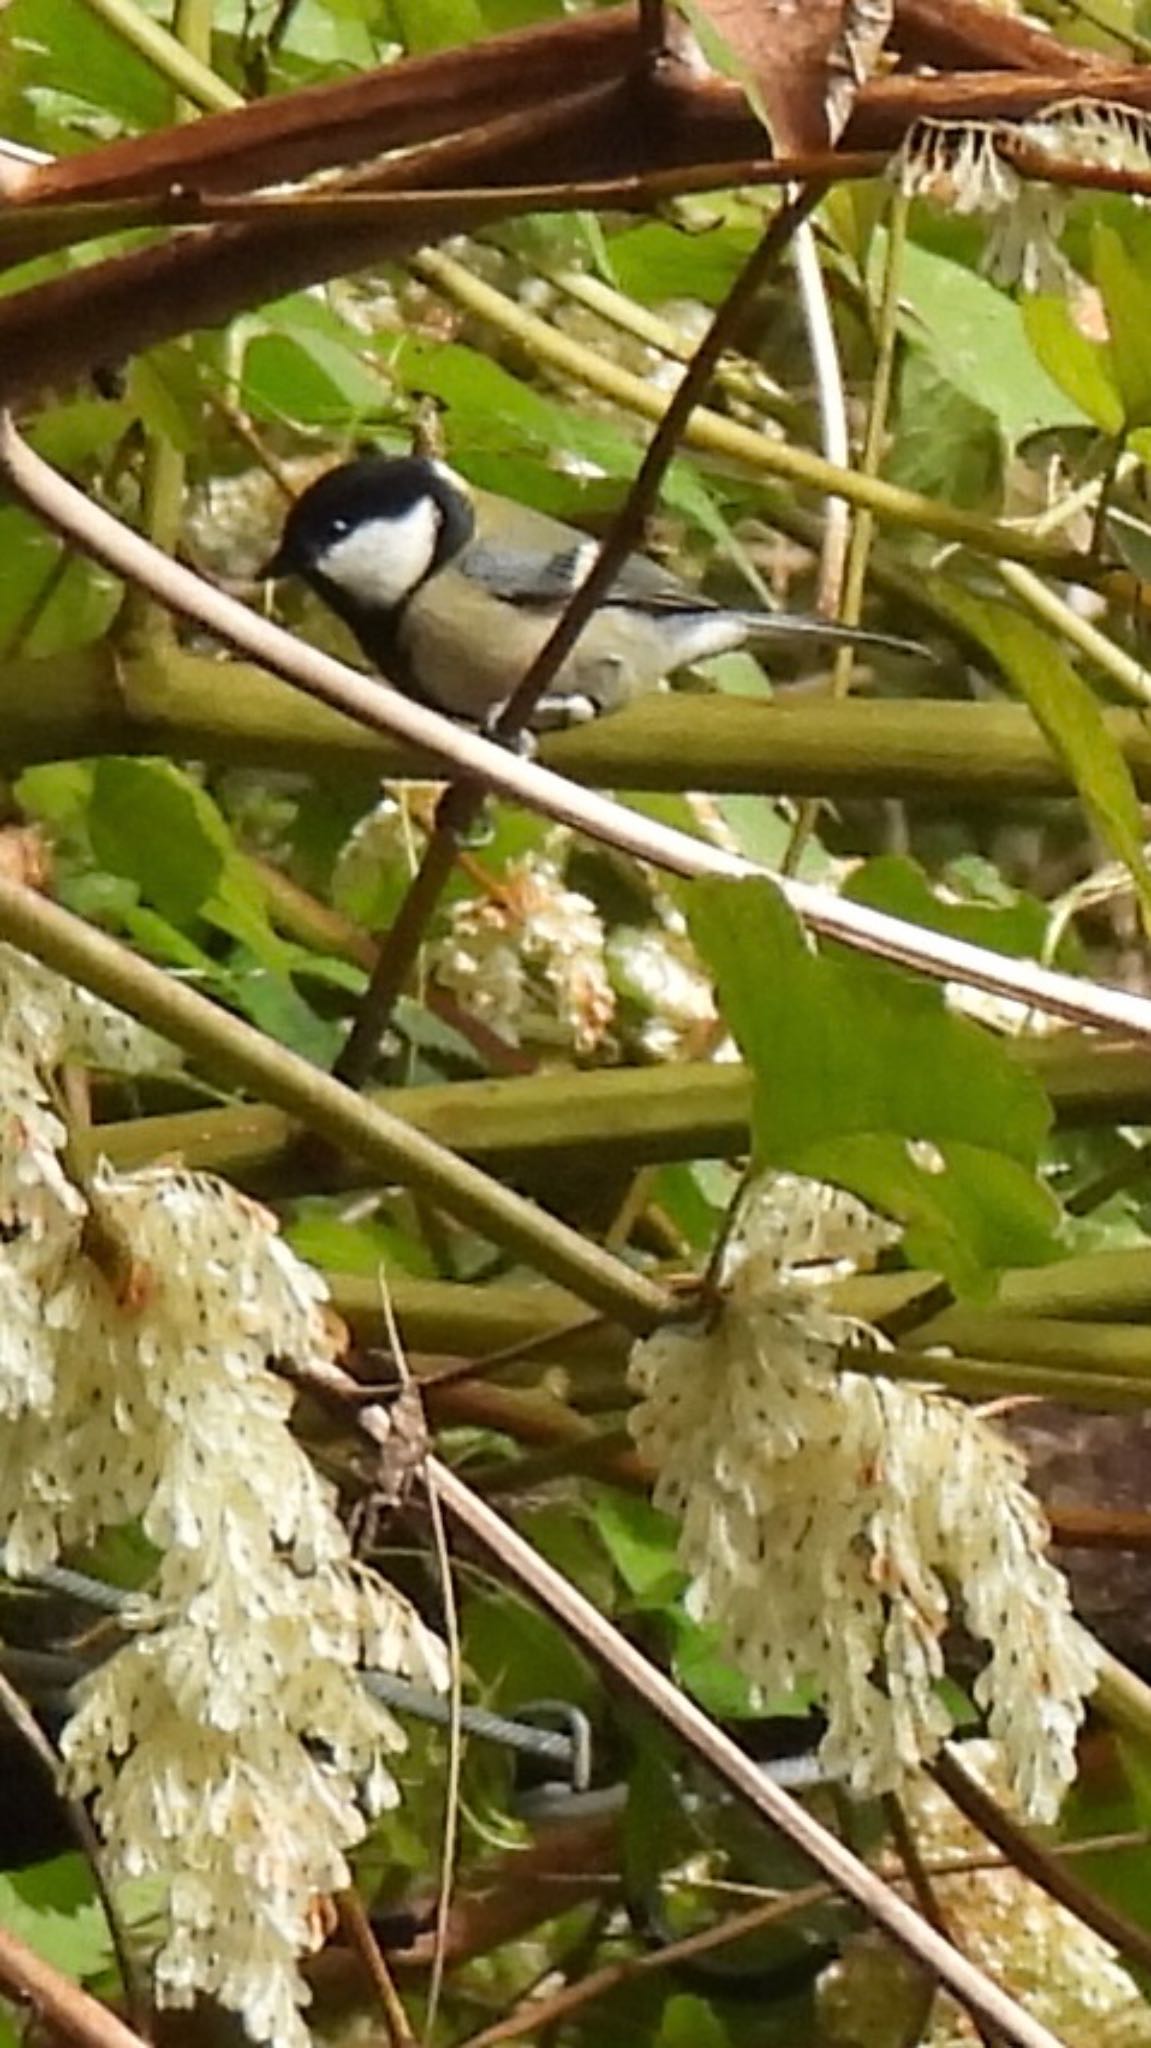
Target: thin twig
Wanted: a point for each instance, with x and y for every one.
(455, 1732)
(24, 1721)
(357, 1929)
(383, 710)
(399, 948)
(1025, 1854)
(56, 2000)
(535, 2013)
(718, 1751)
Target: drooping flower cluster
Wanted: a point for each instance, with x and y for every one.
(957, 165)
(1068, 1978)
(832, 1521)
(535, 938)
(230, 1745)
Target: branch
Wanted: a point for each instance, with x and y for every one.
(461, 807)
(57, 2001)
(702, 1736)
(387, 710)
(743, 1776)
(927, 751)
(233, 1048)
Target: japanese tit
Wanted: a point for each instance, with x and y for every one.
(451, 594)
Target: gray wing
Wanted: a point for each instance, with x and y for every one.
(544, 582)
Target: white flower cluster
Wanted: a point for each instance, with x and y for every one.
(1070, 1981)
(230, 1744)
(830, 1520)
(535, 939)
(655, 966)
(957, 165)
(1090, 131)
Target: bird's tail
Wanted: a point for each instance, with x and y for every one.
(761, 625)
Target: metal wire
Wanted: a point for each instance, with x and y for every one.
(567, 1748)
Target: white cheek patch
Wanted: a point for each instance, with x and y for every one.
(383, 561)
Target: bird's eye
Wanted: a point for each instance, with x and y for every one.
(338, 528)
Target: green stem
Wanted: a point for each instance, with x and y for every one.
(618, 1119)
(1130, 675)
(232, 713)
(237, 1051)
(167, 55)
(715, 435)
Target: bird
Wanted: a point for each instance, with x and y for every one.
(451, 593)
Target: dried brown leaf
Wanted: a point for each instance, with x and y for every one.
(801, 62)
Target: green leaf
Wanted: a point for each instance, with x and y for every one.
(1016, 924)
(975, 335)
(967, 1211)
(52, 1907)
(656, 261)
(854, 1064)
(1127, 300)
(62, 46)
(425, 25)
(1070, 716)
(151, 822)
(322, 1236)
(946, 444)
(838, 1045)
(705, 1670)
(1082, 368)
(641, 1543)
(690, 2022)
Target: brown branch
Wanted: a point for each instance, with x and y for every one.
(534, 2014)
(400, 948)
(422, 98)
(966, 35)
(57, 2001)
(385, 710)
(1049, 1872)
(743, 1776)
(320, 126)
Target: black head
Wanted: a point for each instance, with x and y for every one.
(371, 531)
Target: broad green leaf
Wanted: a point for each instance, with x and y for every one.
(701, 1667)
(1127, 300)
(423, 25)
(322, 1236)
(946, 444)
(840, 1046)
(1070, 716)
(151, 822)
(690, 2022)
(308, 378)
(966, 1210)
(273, 1002)
(52, 1907)
(69, 435)
(1016, 924)
(519, 1655)
(976, 336)
(863, 1077)
(641, 1543)
(1082, 368)
(657, 261)
(62, 46)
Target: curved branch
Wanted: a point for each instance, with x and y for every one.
(387, 710)
(30, 1981)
